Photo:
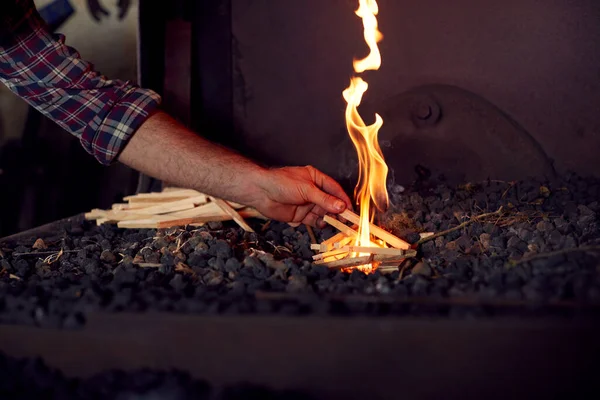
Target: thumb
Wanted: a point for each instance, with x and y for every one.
(326, 201)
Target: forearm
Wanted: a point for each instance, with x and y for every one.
(167, 150)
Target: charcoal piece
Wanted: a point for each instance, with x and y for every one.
(123, 276)
(524, 234)
(382, 286)
(555, 238)
(259, 270)
(419, 286)
(22, 268)
(273, 237)
(90, 266)
(232, 265)
(160, 243)
(108, 256)
(490, 228)
(215, 225)
(255, 286)
(289, 232)
(544, 226)
(221, 249)
(422, 268)
(498, 242)
(269, 260)
(213, 278)
(585, 210)
(297, 283)
(216, 263)
(515, 243)
(6, 265)
(323, 285)
(322, 271)
(452, 246)
(190, 244)
(82, 254)
(178, 283)
(357, 275)
(237, 288)
(428, 248)
(277, 284)
(197, 259)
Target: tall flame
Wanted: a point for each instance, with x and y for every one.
(373, 170)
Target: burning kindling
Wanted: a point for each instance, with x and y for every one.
(365, 245)
(338, 252)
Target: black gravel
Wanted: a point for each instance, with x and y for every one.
(478, 270)
(32, 379)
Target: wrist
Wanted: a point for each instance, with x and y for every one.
(253, 185)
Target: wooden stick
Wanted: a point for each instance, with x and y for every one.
(377, 231)
(345, 229)
(377, 250)
(96, 213)
(344, 242)
(156, 196)
(173, 206)
(152, 201)
(364, 249)
(311, 234)
(244, 213)
(148, 265)
(138, 224)
(134, 206)
(331, 253)
(202, 210)
(356, 261)
(234, 214)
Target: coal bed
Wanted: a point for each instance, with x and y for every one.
(524, 250)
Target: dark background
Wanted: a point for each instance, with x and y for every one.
(512, 86)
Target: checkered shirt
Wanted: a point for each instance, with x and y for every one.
(37, 65)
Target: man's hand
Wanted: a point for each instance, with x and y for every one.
(299, 195)
(165, 149)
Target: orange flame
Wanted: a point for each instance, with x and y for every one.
(373, 170)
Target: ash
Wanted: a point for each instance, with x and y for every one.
(537, 255)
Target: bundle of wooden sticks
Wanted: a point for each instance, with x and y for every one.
(338, 251)
(173, 207)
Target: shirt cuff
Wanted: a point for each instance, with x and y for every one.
(105, 138)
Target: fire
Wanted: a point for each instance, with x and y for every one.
(373, 170)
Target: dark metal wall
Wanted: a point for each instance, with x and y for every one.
(509, 88)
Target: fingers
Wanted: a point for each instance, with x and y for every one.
(326, 201)
(330, 186)
(314, 220)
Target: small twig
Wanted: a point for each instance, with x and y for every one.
(51, 259)
(464, 224)
(581, 249)
(43, 253)
(311, 233)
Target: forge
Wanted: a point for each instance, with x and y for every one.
(467, 132)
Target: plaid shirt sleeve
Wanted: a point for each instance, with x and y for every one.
(52, 77)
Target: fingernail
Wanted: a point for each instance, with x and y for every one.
(339, 205)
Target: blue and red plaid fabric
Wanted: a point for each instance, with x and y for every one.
(38, 66)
